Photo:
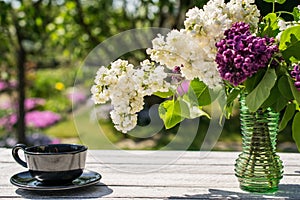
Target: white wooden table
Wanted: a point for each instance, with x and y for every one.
(157, 175)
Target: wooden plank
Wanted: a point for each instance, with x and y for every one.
(163, 157)
(189, 176)
(121, 192)
(168, 179)
(161, 153)
(206, 166)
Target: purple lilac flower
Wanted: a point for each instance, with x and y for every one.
(241, 54)
(183, 87)
(296, 75)
(177, 71)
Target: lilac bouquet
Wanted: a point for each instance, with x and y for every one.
(224, 49)
(264, 65)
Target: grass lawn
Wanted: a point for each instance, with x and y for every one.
(80, 128)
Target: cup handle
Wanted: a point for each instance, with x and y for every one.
(16, 156)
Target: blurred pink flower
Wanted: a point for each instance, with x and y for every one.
(36, 119)
(6, 85)
(77, 97)
(3, 85)
(32, 103)
(29, 103)
(5, 105)
(41, 119)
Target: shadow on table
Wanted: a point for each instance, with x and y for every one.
(285, 191)
(94, 191)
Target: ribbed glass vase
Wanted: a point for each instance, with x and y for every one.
(258, 167)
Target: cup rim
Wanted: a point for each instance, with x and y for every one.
(82, 148)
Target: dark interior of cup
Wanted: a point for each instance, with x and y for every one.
(56, 148)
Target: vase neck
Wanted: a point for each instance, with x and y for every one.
(258, 128)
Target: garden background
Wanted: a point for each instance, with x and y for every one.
(43, 44)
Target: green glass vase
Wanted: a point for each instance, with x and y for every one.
(258, 168)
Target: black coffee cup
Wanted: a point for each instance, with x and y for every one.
(53, 163)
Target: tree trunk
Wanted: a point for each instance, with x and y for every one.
(21, 128)
(21, 60)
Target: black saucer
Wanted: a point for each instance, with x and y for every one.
(25, 181)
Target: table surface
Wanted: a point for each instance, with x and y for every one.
(157, 175)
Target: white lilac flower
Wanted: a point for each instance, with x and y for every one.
(125, 86)
(194, 46)
(245, 11)
(170, 50)
(187, 49)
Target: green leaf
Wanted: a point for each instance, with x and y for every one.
(181, 109)
(273, 97)
(200, 91)
(39, 21)
(296, 129)
(271, 27)
(228, 107)
(290, 43)
(286, 37)
(257, 97)
(164, 94)
(287, 116)
(194, 111)
(254, 80)
(296, 14)
(275, 100)
(233, 95)
(280, 1)
(167, 112)
(276, 1)
(280, 103)
(295, 92)
(284, 87)
(174, 111)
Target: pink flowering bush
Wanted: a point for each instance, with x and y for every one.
(4, 85)
(31, 103)
(41, 119)
(34, 118)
